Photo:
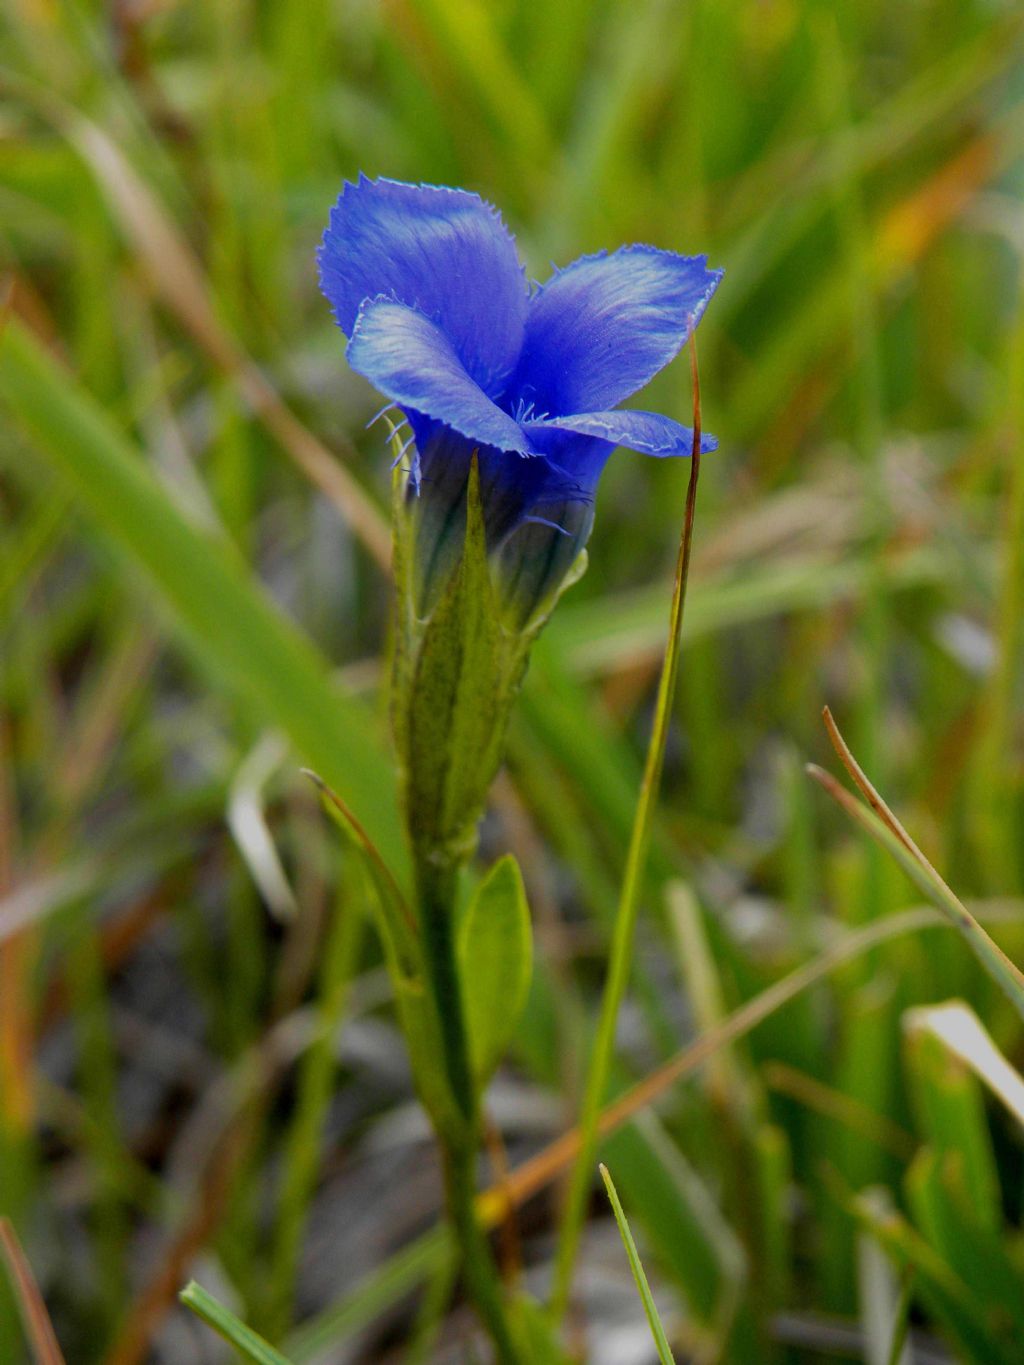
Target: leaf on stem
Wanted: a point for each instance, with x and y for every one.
(495, 963)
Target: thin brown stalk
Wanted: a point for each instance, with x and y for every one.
(509, 1243)
(867, 788)
(878, 821)
(178, 277)
(38, 1326)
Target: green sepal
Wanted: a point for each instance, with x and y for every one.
(495, 953)
(452, 703)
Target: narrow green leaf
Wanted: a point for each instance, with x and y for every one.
(773, 1160)
(967, 1039)
(936, 1283)
(397, 925)
(898, 1351)
(942, 1205)
(378, 1291)
(951, 1118)
(682, 1225)
(234, 629)
(402, 949)
(657, 1331)
(496, 962)
(537, 1339)
(246, 1342)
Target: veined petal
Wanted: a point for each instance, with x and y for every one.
(442, 251)
(410, 359)
(648, 432)
(604, 326)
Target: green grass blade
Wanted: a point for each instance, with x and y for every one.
(36, 1319)
(233, 627)
(303, 1143)
(932, 887)
(246, 1342)
(901, 1327)
(657, 1331)
(370, 1297)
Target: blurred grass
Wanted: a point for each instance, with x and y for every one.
(173, 1094)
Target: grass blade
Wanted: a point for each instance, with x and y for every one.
(901, 1327)
(657, 1331)
(33, 1310)
(885, 829)
(621, 953)
(371, 1296)
(234, 629)
(177, 275)
(965, 1037)
(248, 1343)
(415, 1262)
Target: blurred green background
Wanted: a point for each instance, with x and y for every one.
(199, 1069)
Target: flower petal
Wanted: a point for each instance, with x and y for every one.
(648, 432)
(442, 251)
(413, 361)
(602, 328)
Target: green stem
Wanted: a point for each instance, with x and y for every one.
(481, 1274)
(459, 1143)
(621, 955)
(436, 891)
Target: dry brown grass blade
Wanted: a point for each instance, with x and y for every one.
(878, 821)
(178, 278)
(38, 1326)
(539, 1171)
(868, 790)
(509, 1240)
(853, 1114)
(17, 959)
(911, 227)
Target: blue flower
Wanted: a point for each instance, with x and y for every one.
(426, 284)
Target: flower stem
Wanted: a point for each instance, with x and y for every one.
(621, 955)
(435, 885)
(459, 1142)
(481, 1274)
